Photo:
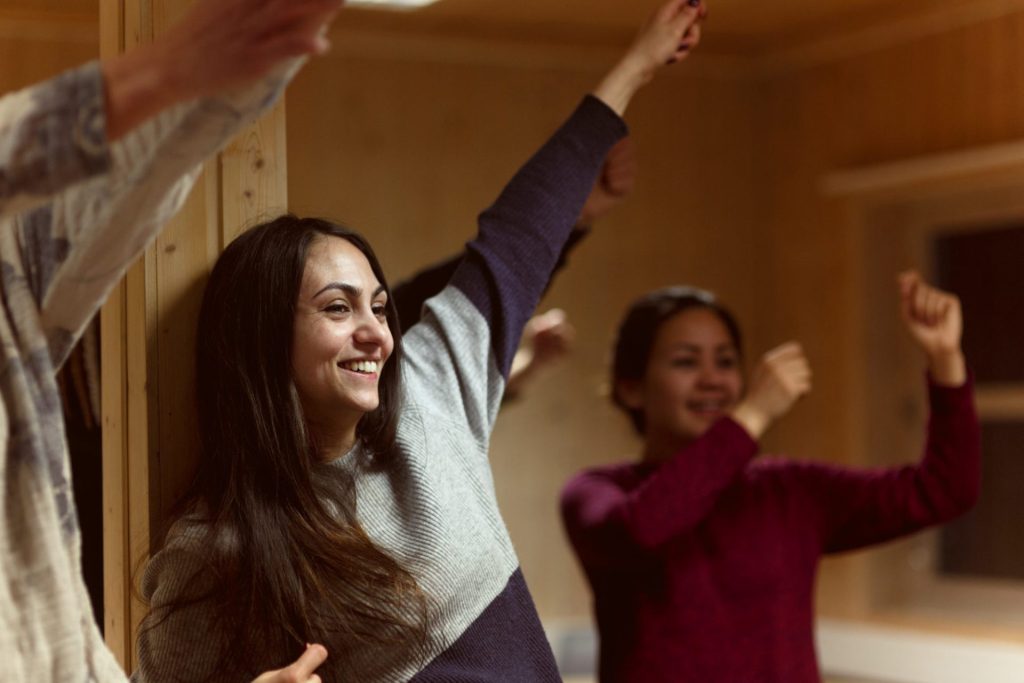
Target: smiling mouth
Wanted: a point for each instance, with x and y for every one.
(362, 367)
(710, 407)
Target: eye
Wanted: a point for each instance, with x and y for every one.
(727, 362)
(337, 308)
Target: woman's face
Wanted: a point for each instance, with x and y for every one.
(341, 337)
(693, 377)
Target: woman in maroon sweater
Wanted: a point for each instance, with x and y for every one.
(702, 556)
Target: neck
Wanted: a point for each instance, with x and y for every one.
(334, 438)
(661, 447)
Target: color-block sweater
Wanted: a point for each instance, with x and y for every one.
(703, 567)
(75, 211)
(434, 509)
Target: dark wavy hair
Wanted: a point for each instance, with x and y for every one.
(298, 566)
(639, 328)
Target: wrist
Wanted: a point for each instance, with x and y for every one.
(138, 84)
(621, 83)
(753, 420)
(948, 367)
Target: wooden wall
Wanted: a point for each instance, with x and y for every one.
(33, 48)
(935, 92)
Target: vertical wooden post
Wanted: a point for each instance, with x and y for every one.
(148, 333)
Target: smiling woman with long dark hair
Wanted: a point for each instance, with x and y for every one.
(344, 495)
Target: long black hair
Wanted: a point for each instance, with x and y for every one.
(297, 567)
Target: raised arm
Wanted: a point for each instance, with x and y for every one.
(74, 249)
(613, 184)
(507, 266)
(57, 133)
(218, 45)
(610, 523)
(863, 507)
(51, 137)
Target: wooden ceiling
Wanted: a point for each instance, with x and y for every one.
(735, 26)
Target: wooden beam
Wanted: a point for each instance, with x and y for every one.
(148, 333)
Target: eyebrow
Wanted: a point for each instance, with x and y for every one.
(351, 290)
(697, 349)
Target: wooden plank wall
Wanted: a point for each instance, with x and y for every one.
(148, 333)
(879, 98)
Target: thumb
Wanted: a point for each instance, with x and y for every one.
(304, 666)
(907, 281)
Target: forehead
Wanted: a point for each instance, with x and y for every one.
(333, 259)
(699, 327)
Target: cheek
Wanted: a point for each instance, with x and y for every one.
(666, 394)
(312, 347)
(736, 385)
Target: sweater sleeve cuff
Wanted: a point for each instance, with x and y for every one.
(946, 399)
(598, 116)
(730, 432)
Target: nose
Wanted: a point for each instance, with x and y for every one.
(710, 375)
(371, 330)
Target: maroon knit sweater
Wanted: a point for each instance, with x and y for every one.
(703, 567)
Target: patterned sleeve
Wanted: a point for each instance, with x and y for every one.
(73, 250)
(52, 136)
(460, 353)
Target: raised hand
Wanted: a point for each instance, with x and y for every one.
(301, 670)
(219, 44)
(615, 182)
(546, 339)
(782, 377)
(935, 322)
(669, 36)
(550, 335)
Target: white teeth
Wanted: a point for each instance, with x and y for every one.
(363, 366)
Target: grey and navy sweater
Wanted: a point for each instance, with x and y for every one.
(434, 510)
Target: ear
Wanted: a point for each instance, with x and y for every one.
(631, 393)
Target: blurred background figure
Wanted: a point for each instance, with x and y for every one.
(703, 555)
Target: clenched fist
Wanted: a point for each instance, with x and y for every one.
(782, 377)
(935, 322)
